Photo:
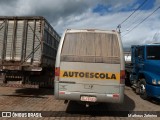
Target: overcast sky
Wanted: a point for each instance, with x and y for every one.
(98, 14)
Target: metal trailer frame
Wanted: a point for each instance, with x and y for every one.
(26, 65)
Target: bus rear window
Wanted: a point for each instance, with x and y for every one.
(91, 47)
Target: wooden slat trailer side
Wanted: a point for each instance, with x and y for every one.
(28, 47)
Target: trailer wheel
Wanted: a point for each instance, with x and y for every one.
(142, 89)
(24, 80)
(5, 80)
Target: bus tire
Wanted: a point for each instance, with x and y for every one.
(127, 79)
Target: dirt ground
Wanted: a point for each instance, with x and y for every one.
(29, 99)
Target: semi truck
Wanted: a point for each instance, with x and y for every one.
(143, 73)
(28, 47)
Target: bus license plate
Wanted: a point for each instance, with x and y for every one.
(88, 99)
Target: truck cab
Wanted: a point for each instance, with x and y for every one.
(145, 73)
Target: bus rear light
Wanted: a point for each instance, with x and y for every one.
(57, 71)
(122, 77)
(61, 92)
(115, 95)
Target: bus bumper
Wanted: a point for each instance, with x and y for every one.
(76, 96)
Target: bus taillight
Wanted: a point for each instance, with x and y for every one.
(122, 77)
(57, 71)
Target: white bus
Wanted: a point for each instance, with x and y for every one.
(90, 67)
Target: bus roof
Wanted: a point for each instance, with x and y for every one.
(91, 30)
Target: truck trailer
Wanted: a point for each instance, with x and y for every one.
(143, 73)
(28, 47)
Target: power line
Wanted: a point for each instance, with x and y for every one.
(142, 21)
(136, 21)
(136, 18)
(132, 13)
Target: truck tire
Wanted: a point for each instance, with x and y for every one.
(142, 89)
(137, 90)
